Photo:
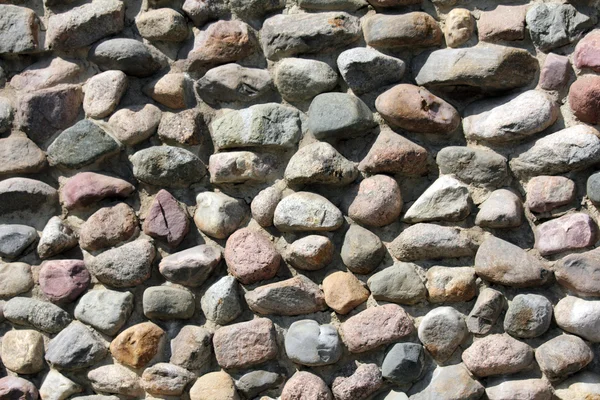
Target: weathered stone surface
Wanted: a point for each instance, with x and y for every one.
(555, 25)
(311, 253)
(103, 93)
(15, 239)
(288, 35)
(365, 69)
(168, 303)
(56, 386)
(305, 211)
(23, 351)
(497, 355)
(352, 116)
(128, 55)
(105, 310)
(416, 29)
(404, 363)
(399, 283)
(56, 238)
(363, 383)
(375, 327)
(484, 67)
(311, 344)
(19, 155)
(501, 121)
(585, 55)
(450, 284)
(19, 27)
(502, 262)
(502, 23)
(394, 154)
(107, 227)
(593, 188)
(82, 144)
(167, 166)
(545, 193)
(17, 388)
(137, 345)
(569, 232)
(84, 25)
(185, 127)
(191, 348)
(251, 257)
(75, 347)
(577, 272)
(441, 331)
(6, 115)
(378, 201)
(38, 314)
(218, 215)
(62, 281)
(296, 296)
(166, 219)
(15, 278)
(556, 72)
(86, 188)
(529, 389)
(528, 315)
(299, 79)
(48, 73)
(446, 199)
(562, 356)
(214, 385)
(471, 165)
(503, 209)
(459, 27)
(245, 344)
(344, 292)
(431, 241)
(362, 250)
(579, 387)
(264, 125)
(221, 302)
(488, 307)
(579, 316)
(241, 166)
(566, 150)
(191, 267)
(135, 124)
(263, 205)
(326, 5)
(172, 90)
(453, 382)
(115, 378)
(125, 266)
(165, 379)
(320, 163)
(234, 83)
(202, 11)
(254, 383)
(164, 24)
(305, 385)
(584, 98)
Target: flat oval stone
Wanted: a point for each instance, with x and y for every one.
(168, 303)
(75, 347)
(164, 24)
(214, 385)
(471, 165)
(311, 344)
(399, 283)
(105, 310)
(166, 219)
(245, 344)
(41, 315)
(219, 215)
(562, 356)
(296, 296)
(311, 253)
(503, 209)
(15, 239)
(251, 257)
(137, 345)
(190, 267)
(165, 379)
(415, 29)
(441, 331)
(580, 317)
(128, 55)
(299, 79)
(115, 378)
(415, 109)
(579, 272)
(344, 292)
(584, 98)
(26, 201)
(62, 281)
(378, 201)
(108, 227)
(103, 92)
(167, 166)
(86, 188)
(305, 211)
(545, 193)
(569, 232)
(497, 355)
(263, 205)
(354, 116)
(305, 385)
(509, 389)
(320, 163)
(366, 69)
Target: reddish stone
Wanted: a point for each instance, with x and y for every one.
(555, 72)
(13, 387)
(88, 188)
(361, 385)
(502, 23)
(587, 52)
(376, 326)
(108, 227)
(251, 257)
(497, 355)
(166, 220)
(545, 193)
(63, 280)
(569, 232)
(245, 344)
(305, 386)
(584, 99)
(378, 201)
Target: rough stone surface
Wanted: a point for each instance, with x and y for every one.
(233, 83)
(364, 382)
(394, 154)
(562, 356)
(305, 385)
(166, 303)
(577, 272)
(103, 93)
(497, 354)
(19, 388)
(19, 155)
(583, 98)
(87, 188)
(218, 215)
(251, 257)
(453, 382)
(441, 331)
(311, 344)
(378, 201)
(76, 347)
(555, 25)
(545, 193)
(105, 310)
(585, 55)
(107, 227)
(450, 284)
(471, 165)
(263, 205)
(343, 292)
(136, 346)
(221, 302)
(20, 28)
(23, 351)
(447, 199)
(577, 316)
(502, 23)
(459, 27)
(41, 315)
(214, 385)
(534, 389)
(56, 386)
(416, 29)
(299, 79)
(320, 163)
(311, 253)
(135, 124)
(182, 128)
(488, 307)
(245, 344)
(164, 24)
(296, 296)
(555, 72)
(165, 379)
(15, 239)
(503, 209)
(352, 116)
(128, 55)
(404, 363)
(191, 348)
(116, 379)
(399, 283)
(366, 69)
(190, 267)
(528, 315)
(62, 281)
(306, 211)
(569, 232)
(362, 250)
(166, 220)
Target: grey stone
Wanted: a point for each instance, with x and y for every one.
(446, 199)
(127, 55)
(339, 115)
(578, 273)
(414, 29)
(185, 127)
(163, 302)
(526, 389)
(562, 356)
(165, 379)
(219, 215)
(105, 310)
(167, 166)
(263, 205)
(268, 125)
(305, 211)
(103, 93)
(14, 239)
(82, 144)
(15, 278)
(503, 209)
(234, 83)
(362, 250)
(56, 386)
(311, 344)
(254, 383)
(191, 348)
(19, 28)
(404, 363)
(56, 238)
(191, 267)
(287, 35)
(441, 331)
(311, 253)
(569, 149)
(38, 314)
(19, 155)
(132, 125)
(593, 188)
(299, 79)
(6, 114)
(453, 382)
(163, 24)
(485, 312)
(202, 11)
(76, 347)
(255, 8)
(528, 316)
(484, 67)
(115, 378)
(399, 283)
(124, 266)
(554, 25)
(503, 120)
(365, 69)
(327, 5)
(221, 302)
(578, 316)
(241, 166)
(96, 397)
(431, 241)
(320, 163)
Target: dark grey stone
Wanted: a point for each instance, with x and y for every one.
(593, 188)
(404, 363)
(481, 167)
(14, 239)
(41, 315)
(399, 283)
(362, 250)
(254, 383)
(339, 114)
(554, 25)
(528, 316)
(365, 69)
(127, 55)
(75, 347)
(167, 166)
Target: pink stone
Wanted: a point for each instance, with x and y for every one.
(587, 52)
(569, 232)
(251, 257)
(63, 280)
(378, 201)
(166, 220)
(365, 381)
(376, 326)
(12, 387)
(305, 386)
(545, 193)
(245, 344)
(584, 98)
(555, 72)
(502, 23)
(88, 188)
(497, 355)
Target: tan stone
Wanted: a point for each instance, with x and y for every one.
(23, 351)
(107, 227)
(137, 345)
(343, 292)
(170, 90)
(214, 386)
(460, 25)
(450, 284)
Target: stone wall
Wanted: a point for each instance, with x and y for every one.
(305, 200)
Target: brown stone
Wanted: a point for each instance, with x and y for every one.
(172, 90)
(580, 273)
(251, 257)
(378, 201)
(135, 124)
(451, 284)
(192, 348)
(23, 351)
(305, 386)
(584, 98)
(185, 127)
(88, 188)
(415, 29)
(166, 219)
(415, 109)
(502, 23)
(545, 193)
(497, 355)
(19, 155)
(311, 253)
(296, 296)
(245, 344)
(137, 345)
(587, 52)
(107, 227)
(526, 389)
(562, 356)
(47, 73)
(460, 25)
(343, 292)
(393, 3)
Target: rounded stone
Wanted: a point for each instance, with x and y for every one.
(128, 55)
(545, 193)
(192, 348)
(441, 331)
(164, 24)
(191, 267)
(23, 351)
(75, 347)
(365, 69)
(62, 281)
(362, 384)
(497, 355)
(165, 379)
(528, 316)
(584, 99)
(306, 211)
(218, 215)
(344, 292)
(459, 28)
(15, 278)
(134, 124)
(221, 302)
(352, 116)
(164, 302)
(263, 205)
(451, 284)
(362, 250)
(105, 310)
(404, 363)
(299, 79)
(245, 344)
(251, 256)
(399, 283)
(311, 253)
(108, 227)
(579, 316)
(138, 345)
(13, 387)
(214, 386)
(378, 201)
(117, 379)
(311, 344)
(304, 386)
(167, 166)
(562, 356)
(593, 188)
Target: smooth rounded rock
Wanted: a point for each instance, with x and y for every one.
(530, 389)
(503, 209)
(352, 116)
(472, 165)
(134, 124)
(399, 283)
(577, 272)
(115, 378)
(378, 201)
(23, 351)
(192, 348)
(137, 345)
(233, 83)
(41, 315)
(76, 347)
(167, 166)
(459, 27)
(299, 79)
(362, 250)
(545, 193)
(214, 386)
(108, 227)
(562, 356)
(320, 163)
(13, 387)
(366, 69)
(15, 239)
(311, 253)
(403, 363)
(103, 93)
(165, 379)
(579, 316)
(56, 238)
(414, 29)
(87, 188)
(221, 302)
(191, 267)
(311, 344)
(305, 211)
(304, 386)
(394, 154)
(569, 232)
(245, 344)
(105, 310)
(263, 205)
(168, 303)
(218, 215)
(447, 199)
(450, 284)
(128, 55)
(484, 314)
(344, 292)
(528, 315)
(441, 331)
